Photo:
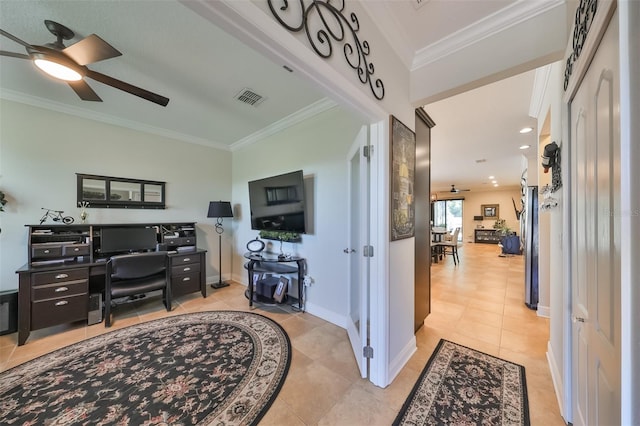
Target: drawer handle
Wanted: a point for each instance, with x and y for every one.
(61, 289)
(186, 259)
(188, 268)
(186, 279)
(61, 303)
(46, 251)
(61, 276)
(76, 249)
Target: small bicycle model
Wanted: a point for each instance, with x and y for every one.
(56, 215)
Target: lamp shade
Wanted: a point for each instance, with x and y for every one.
(220, 209)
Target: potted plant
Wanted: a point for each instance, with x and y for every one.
(509, 241)
(281, 236)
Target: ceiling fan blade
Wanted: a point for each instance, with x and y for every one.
(126, 87)
(85, 91)
(14, 38)
(14, 55)
(91, 49)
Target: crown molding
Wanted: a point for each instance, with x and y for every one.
(47, 104)
(495, 23)
(292, 119)
(394, 32)
(280, 125)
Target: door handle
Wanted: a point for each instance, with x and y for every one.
(577, 319)
(347, 250)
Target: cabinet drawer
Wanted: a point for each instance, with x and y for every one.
(41, 278)
(57, 290)
(185, 283)
(184, 259)
(185, 269)
(46, 251)
(180, 241)
(58, 311)
(75, 250)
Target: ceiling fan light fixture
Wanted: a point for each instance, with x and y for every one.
(57, 70)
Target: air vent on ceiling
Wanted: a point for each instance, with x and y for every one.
(249, 97)
(482, 160)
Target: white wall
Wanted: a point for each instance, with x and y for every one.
(319, 147)
(41, 151)
(553, 288)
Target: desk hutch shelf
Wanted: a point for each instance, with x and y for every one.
(66, 265)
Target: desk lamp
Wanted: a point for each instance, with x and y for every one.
(219, 209)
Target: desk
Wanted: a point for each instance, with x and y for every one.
(58, 293)
(272, 263)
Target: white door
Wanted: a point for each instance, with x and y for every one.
(358, 238)
(595, 203)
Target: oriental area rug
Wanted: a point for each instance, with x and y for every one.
(219, 367)
(461, 386)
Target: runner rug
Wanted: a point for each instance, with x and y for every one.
(219, 367)
(461, 386)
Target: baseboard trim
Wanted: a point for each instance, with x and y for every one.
(544, 311)
(401, 360)
(556, 377)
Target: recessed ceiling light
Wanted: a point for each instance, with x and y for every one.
(525, 146)
(492, 177)
(526, 129)
(494, 181)
(495, 184)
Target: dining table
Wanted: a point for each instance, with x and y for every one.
(437, 236)
(438, 233)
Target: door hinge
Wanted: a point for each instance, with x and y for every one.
(367, 251)
(367, 352)
(367, 151)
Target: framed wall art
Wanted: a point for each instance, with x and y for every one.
(403, 161)
(491, 211)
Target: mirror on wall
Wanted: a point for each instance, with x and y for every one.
(115, 192)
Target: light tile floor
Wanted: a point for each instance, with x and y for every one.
(478, 304)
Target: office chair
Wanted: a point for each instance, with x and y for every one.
(133, 274)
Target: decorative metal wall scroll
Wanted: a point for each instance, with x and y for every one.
(584, 17)
(324, 22)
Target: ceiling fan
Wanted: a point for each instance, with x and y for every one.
(69, 63)
(455, 190)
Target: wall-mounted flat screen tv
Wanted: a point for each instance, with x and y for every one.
(277, 203)
(127, 239)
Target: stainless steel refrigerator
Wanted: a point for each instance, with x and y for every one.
(529, 232)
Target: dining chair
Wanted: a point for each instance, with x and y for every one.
(450, 246)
